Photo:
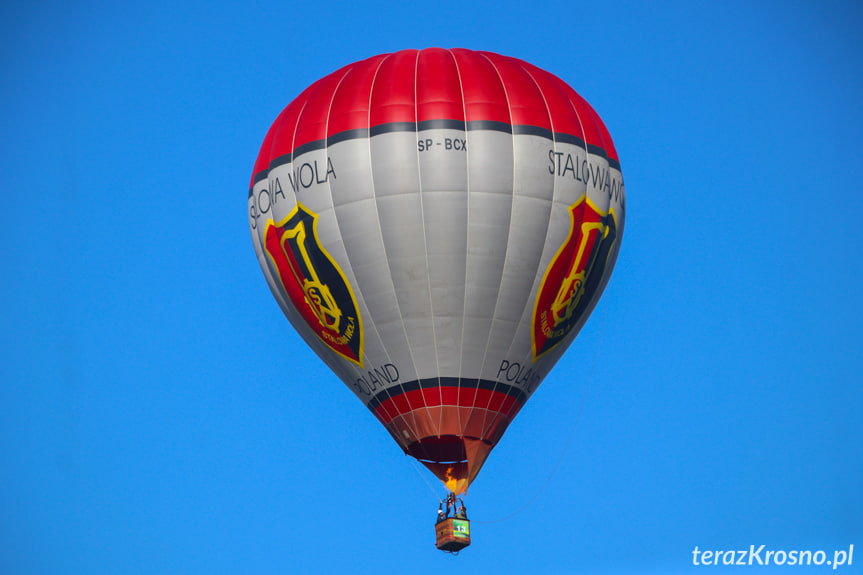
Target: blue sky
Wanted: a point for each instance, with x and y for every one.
(158, 415)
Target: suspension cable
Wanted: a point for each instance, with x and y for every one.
(571, 434)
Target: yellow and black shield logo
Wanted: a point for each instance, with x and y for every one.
(315, 283)
(570, 283)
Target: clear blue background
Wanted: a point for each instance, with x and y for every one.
(158, 415)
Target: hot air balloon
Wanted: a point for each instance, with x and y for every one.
(438, 225)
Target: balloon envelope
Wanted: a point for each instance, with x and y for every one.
(437, 225)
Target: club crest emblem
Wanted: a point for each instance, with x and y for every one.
(315, 283)
(573, 276)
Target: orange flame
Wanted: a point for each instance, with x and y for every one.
(453, 483)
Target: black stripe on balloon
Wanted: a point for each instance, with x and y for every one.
(597, 151)
(600, 151)
(490, 125)
(533, 131)
(304, 149)
(440, 125)
(348, 135)
(391, 127)
(435, 382)
(283, 159)
(568, 139)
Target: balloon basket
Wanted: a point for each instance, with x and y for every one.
(453, 534)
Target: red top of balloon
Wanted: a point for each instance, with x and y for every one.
(406, 89)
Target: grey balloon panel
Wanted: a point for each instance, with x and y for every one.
(514, 252)
(531, 223)
(359, 223)
(489, 212)
(444, 249)
(490, 157)
(394, 163)
(441, 168)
